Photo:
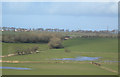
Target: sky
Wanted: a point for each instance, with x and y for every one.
(62, 15)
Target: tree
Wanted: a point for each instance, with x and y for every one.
(55, 43)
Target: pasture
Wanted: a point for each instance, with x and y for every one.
(42, 63)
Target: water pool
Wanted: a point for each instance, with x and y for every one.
(80, 58)
(16, 68)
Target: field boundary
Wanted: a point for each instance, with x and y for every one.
(108, 69)
(105, 68)
(57, 62)
(40, 62)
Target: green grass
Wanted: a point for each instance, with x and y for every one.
(57, 69)
(92, 44)
(8, 48)
(91, 47)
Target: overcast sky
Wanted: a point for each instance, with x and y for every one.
(64, 15)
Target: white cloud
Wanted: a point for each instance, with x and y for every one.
(85, 9)
(60, 0)
(78, 8)
(16, 6)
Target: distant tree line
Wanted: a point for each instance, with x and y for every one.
(54, 40)
(28, 37)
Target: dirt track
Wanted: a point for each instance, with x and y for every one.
(108, 69)
(39, 62)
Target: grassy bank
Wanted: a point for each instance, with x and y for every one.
(106, 48)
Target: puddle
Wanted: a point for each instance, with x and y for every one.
(17, 68)
(81, 58)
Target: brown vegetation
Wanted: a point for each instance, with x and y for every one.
(23, 51)
(28, 37)
(55, 42)
(98, 64)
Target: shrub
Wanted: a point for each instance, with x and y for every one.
(55, 43)
(67, 50)
(24, 51)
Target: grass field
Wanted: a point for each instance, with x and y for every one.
(106, 48)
